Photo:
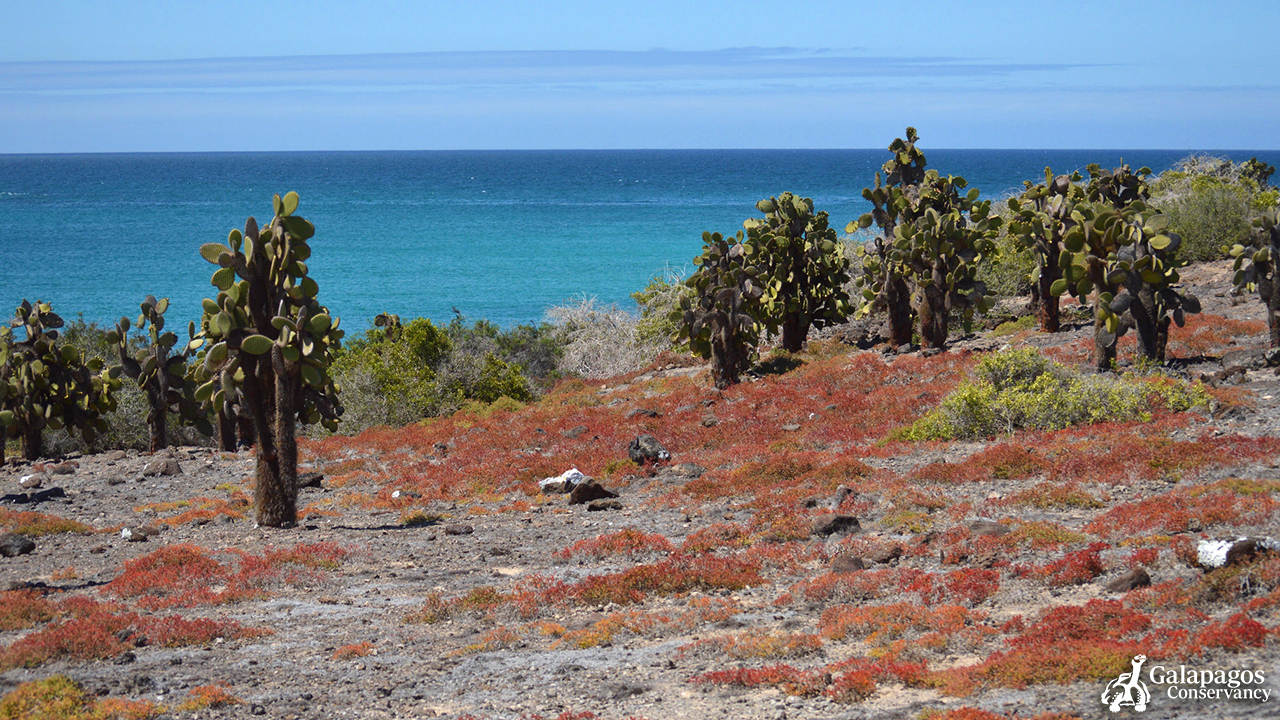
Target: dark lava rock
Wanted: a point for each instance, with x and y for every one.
(588, 490)
(574, 432)
(1245, 550)
(14, 544)
(643, 412)
(162, 466)
(987, 527)
(458, 529)
(885, 555)
(710, 421)
(647, 449)
(116, 456)
(1135, 578)
(599, 505)
(831, 523)
(845, 563)
(66, 468)
(843, 493)
(113, 480)
(310, 479)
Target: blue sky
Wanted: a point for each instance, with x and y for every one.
(107, 76)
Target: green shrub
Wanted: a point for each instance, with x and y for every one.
(1021, 389)
(397, 374)
(1210, 203)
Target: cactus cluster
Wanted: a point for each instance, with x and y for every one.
(719, 321)
(269, 347)
(924, 262)
(1120, 247)
(1255, 267)
(794, 258)
(160, 372)
(49, 385)
(1042, 217)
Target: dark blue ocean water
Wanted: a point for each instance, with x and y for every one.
(501, 235)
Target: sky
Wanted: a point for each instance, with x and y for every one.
(141, 75)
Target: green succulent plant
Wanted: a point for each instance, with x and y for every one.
(932, 239)
(1121, 248)
(270, 342)
(1256, 268)
(49, 385)
(1041, 219)
(795, 259)
(719, 320)
(160, 372)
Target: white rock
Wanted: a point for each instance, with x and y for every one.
(563, 483)
(31, 482)
(1213, 553)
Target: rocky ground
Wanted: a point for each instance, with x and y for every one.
(351, 639)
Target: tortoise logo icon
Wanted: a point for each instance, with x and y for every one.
(1128, 690)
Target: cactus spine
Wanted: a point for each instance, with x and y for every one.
(272, 342)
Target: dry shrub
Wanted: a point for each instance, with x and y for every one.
(602, 341)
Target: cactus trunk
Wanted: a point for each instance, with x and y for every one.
(1270, 294)
(32, 442)
(156, 417)
(932, 309)
(898, 301)
(794, 331)
(1104, 344)
(727, 358)
(1143, 312)
(1047, 307)
(272, 492)
(226, 431)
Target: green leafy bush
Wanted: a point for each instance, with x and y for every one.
(1023, 390)
(1211, 201)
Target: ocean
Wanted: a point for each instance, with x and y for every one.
(498, 235)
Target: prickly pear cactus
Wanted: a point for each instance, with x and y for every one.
(932, 237)
(718, 322)
(51, 385)
(1256, 267)
(160, 371)
(1041, 219)
(1128, 256)
(798, 264)
(271, 342)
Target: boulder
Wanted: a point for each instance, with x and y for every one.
(845, 563)
(458, 529)
(574, 432)
(988, 528)
(885, 555)
(64, 468)
(643, 412)
(1212, 554)
(162, 466)
(589, 490)
(1135, 578)
(831, 524)
(15, 544)
(563, 483)
(310, 479)
(647, 449)
(32, 482)
(600, 505)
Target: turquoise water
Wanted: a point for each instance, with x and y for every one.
(501, 235)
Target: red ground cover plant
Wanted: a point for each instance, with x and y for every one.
(1002, 461)
(37, 523)
(1236, 633)
(186, 575)
(628, 542)
(847, 681)
(23, 609)
(970, 585)
(1226, 502)
(1074, 568)
(84, 629)
(1067, 644)
(754, 645)
(1210, 335)
(208, 696)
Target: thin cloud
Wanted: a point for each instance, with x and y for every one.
(498, 70)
